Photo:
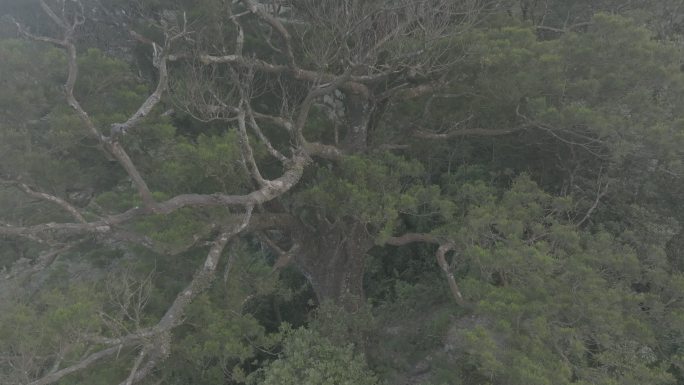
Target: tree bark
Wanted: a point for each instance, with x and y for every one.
(333, 260)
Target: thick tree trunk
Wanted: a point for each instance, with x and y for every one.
(333, 258)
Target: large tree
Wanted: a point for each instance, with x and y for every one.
(527, 159)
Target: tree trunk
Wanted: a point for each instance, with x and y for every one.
(332, 255)
(333, 258)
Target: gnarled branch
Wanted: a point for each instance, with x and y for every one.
(444, 247)
(171, 319)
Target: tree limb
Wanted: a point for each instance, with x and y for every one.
(355, 84)
(284, 257)
(407, 238)
(47, 197)
(83, 364)
(277, 25)
(441, 260)
(171, 319)
(44, 260)
(466, 132)
(444, 247)
(246, 148)
(313, 94)
(136, 364)
(107, 225)
(255, 126)
(599, 194)
(110, 144)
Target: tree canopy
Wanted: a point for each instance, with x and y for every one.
(341, 192)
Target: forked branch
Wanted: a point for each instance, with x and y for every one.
(158, 335)
(109, 144)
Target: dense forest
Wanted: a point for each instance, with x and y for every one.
(352, 192)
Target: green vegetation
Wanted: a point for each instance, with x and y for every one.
(342, 192)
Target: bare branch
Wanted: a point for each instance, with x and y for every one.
(156, 354)
(466, 132)
(122, 156)
(246, 149)
(441, 260)
(314, 93)
(171, 319)
(110, 147)
(62, 23)
(277, 120)
(83, 364)
(160, 62)
(156, 246)
(273, 189)
(355, 84)
(47, 197)
(255, 126)
(31, 36)
(109, 144)
(284, 257)
(591, 145)
(601, 191)
(43, 261)
(277, 25)
(407, 91)
(136, 365)
(407, 238)
(445, 246)
(240, 38)
(204, 276)
(325, 151)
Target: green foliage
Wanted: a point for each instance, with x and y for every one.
(310, 359)
(342, 327)
(374, 191)
(568, 232)
(217, 159)
(36, 330)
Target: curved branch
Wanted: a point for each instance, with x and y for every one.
(160, 62)
(277, 120)
(284, 257)
(552, 131)
(445, 246)
(48, 198)
(467, 132)
(246, 149)
(325, 151)
(106, 225)
(171, 319)
(601, 191)
(255, 126)
(277, 25)
(406, 91)
(355, 84)
(85, 363)
(407, 238)
(52, 15)
(109, 144)
(136, 364)
(441, 260)
(313, 94)
(23, 269)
